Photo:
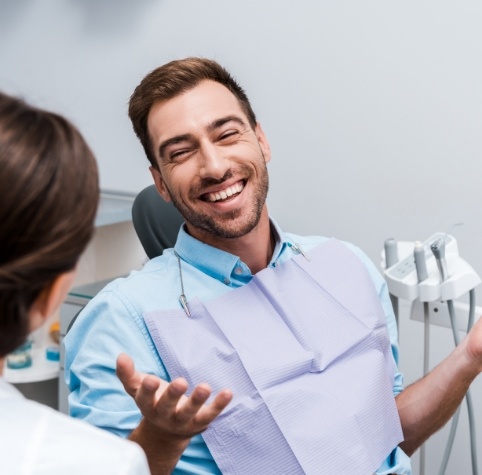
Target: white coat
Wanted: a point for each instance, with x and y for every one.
(37, 440)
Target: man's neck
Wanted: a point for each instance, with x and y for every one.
(255, 249)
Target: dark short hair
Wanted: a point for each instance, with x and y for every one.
(171, 80)
(49, 194)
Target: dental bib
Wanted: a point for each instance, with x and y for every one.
(305, 350)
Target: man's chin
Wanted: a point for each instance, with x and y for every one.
(227, 229)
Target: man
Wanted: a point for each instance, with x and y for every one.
(299, 330)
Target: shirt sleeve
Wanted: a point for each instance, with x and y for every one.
(96, 394)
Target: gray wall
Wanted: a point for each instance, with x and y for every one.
(373, 108)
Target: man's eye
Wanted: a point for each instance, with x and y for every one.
(178, 153)
(229, 135)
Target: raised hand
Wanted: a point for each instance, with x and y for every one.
(170, 417)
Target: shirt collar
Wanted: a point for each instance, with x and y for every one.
(222, 265)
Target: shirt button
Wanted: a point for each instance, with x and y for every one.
(226, 281)
(238, 271)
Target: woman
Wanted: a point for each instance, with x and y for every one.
(48, 201)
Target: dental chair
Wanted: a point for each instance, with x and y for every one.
(156, 222)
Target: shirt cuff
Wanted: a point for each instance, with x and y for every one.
(398, 462)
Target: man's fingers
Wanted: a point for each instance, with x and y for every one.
(193, 403)
(159, 400)
(146, 396)
(169, 395)
(208, 413)
(205, 414)
(127, 374)
(222, 399)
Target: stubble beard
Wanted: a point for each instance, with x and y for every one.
(229, 226)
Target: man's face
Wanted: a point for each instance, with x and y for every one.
(212, 164)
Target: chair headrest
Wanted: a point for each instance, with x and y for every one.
(156, 222)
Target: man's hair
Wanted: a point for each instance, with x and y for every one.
(49, 194)
(171, 80)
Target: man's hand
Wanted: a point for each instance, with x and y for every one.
(170, 418)
(165, 405)
(426, 405)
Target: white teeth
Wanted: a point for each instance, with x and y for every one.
(222, 195)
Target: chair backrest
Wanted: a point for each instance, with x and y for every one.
(156, 222)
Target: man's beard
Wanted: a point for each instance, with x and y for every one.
(220, 226)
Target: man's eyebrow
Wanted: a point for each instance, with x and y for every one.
(172, 141)
(224, 120)
(215, 124)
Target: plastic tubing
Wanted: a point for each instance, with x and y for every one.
(468, 396)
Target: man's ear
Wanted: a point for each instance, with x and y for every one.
(263, 142)
(50, 299)
(160, 185)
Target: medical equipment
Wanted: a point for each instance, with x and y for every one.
(21, 357)
(182, 297)
(429, 272)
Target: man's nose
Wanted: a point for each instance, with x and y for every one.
(213, 162)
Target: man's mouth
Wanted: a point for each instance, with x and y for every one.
(224, 194)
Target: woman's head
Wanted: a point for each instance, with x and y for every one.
(48, 200)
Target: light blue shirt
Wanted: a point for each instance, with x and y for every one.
(112, 323)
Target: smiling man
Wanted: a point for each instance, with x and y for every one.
(212, 165)
(256, 351)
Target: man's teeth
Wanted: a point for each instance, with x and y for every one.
(222, 195)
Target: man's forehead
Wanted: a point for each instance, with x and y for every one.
(202, 104)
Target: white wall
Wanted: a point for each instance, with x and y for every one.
(373, 108)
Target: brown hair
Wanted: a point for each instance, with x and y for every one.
(48, 200)
(171, 80)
